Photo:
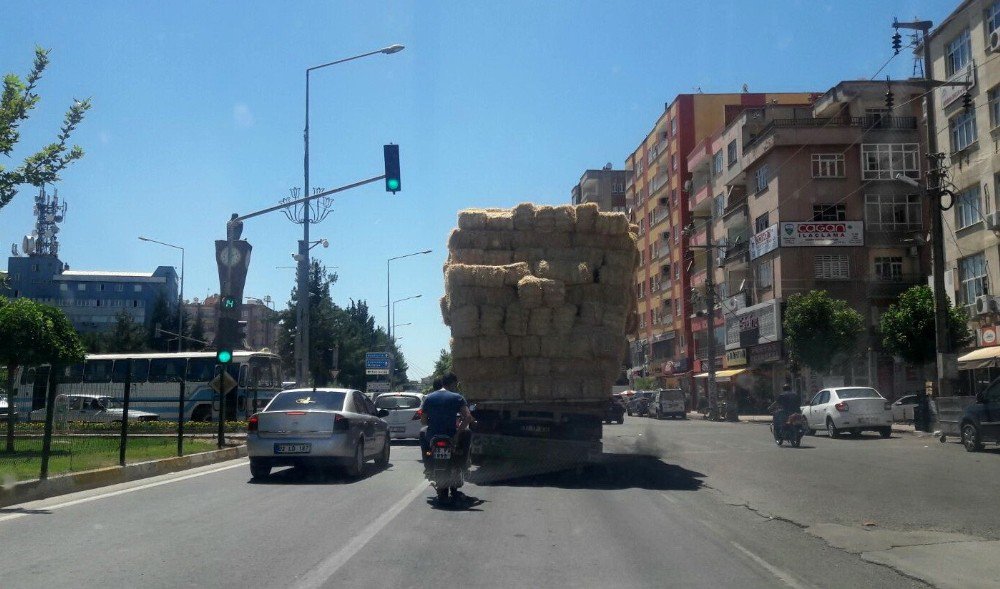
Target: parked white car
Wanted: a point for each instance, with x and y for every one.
(902, 408)
(92, 408)
(404, 416)
(849, 409)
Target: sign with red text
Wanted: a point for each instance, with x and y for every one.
(822, 233)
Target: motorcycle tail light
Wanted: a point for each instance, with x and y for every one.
(842, 406)
(441, 444)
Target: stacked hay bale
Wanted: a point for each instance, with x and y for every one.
(539, 299)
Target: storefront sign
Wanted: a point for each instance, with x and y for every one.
(754, 325)
(764, 353)
(764, 242)
(737, 357)
(987, 336)
(822, 233)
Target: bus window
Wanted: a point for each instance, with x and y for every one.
(140, 370)
(97, 371)
(72, 373)
(119, 370)
(167, 369)
(200, 369)
(27, 375)
(244, 369)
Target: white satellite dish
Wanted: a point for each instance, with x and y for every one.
(28, 244)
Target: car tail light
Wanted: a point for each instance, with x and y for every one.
(442, 444)
(417, 415)
(253, 423)
(340, 423)
(842, 406)
(295, 412)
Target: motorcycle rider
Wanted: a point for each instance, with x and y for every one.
(783, 407)
(446, 413)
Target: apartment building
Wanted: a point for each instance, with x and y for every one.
(805, 197)
(605, 187)
(262, 321)
(965, 47)
(657, 199)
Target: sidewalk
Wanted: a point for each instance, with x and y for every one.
(902, 428)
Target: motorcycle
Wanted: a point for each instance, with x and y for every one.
(446, 465)
(792, 430)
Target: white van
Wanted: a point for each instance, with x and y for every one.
(668, 403)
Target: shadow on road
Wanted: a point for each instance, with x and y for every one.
(406, 442)
(25, 511)
(467, 503)
(615, 471)
(315, 476)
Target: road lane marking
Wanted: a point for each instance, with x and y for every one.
(325, 570)
(785, 577)
(669, 498)
(119, 492)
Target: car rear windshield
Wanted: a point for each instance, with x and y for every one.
(391, 402)
(858, 393)
(304, 400)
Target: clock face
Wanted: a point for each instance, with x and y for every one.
(230, 256)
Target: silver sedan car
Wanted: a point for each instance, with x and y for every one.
(317, 427)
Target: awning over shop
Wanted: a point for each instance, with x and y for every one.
(981, 358)
(722, 375)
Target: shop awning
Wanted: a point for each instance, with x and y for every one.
(981, 358)
(722, 375)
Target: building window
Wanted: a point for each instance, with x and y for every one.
(81, 287)
(673, 126)
(138, 288)
(761, 223)
(890, 268)
(119, 288)
(831, 267)
(828, 165)
(972, 275)
(761, 177)
(992, 18)
(967, 211)
(993, 97)
(886, 212)
(829, 212)
(765, 275)
(963, 130)
(958, 52)
(731, 153)
(673, 161)
(63, 286)
(883, 161)
(34, 267)
(641, 288)
(717, 163)
(720, 205)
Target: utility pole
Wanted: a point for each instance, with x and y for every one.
(934, 192)
(710, 248)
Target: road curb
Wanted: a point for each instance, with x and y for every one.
(91, 479)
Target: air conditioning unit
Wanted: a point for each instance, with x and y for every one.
(687, 186)
(985, 304)
(993, 44)
(993, 221)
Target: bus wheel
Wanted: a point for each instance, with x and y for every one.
(202, 413)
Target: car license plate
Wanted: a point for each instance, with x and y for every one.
(442, 453)
(292, 448)
(397, 429)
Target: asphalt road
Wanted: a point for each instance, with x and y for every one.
(686, 504)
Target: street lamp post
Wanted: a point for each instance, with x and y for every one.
(302, 347)
(388, 314)
(393, 317)
(180, 303)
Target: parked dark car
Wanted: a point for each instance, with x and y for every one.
(615, 411)
(981, 420)
(639, 405)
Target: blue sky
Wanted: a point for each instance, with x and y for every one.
(198, 113)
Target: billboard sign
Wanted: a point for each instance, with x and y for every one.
(754, 325)
(764, 242)
(822, 233)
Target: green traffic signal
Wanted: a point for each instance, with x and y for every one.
(392, 184)
(392, 180)
(224, 356)
(228, 302)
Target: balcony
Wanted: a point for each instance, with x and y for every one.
(702, 196)
(757, 144)
(659, 182)
(698, 277)
(891, 287)
(659, 214)
(663, 251)
(701, 155)
(700, 236)
(630, 182)
(738, 252)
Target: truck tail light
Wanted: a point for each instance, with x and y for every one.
(842, 406)
(253, 423)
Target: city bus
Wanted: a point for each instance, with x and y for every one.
(155, 379)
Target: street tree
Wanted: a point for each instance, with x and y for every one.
(644, 383)
(907, 327)
(160, 316)
(820, 330)
(30, 334)
(197, 331)
(16, 103)
(126, 336)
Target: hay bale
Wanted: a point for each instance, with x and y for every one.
(525, 346)
(466, 256)
(540, 321)
(536, 366)
(515, 272)
(494, 346)
(464, 347)
(622, 259)
(591, 313)
(563, 319)
(538, 387)
(515, 320)
(564, 218)
(566, 271)
(611, 223)
(477, 295)
(529, 255)
(615, 317)
(457, 275)
(605, 294)
(470, 369)
(497, 257)
(491, 320)
(445, 311)
(529, 292)
(524, 217)
(618, 276)
(472, 219)
(488, 219)
(603, 242)
(553, 292)
(552, 347)
(586, 216)
(465, 321)
(568, 388)
(545, 219)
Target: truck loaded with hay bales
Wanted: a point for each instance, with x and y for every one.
(539, 299)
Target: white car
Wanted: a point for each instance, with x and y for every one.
(851, 409)
(902, 408)
(404, 413)
(91, 408)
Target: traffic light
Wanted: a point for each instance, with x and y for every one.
(967, 101)
(226, 340)
(241, 332)
(889, 99)
(392, 181)
(228, 302)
